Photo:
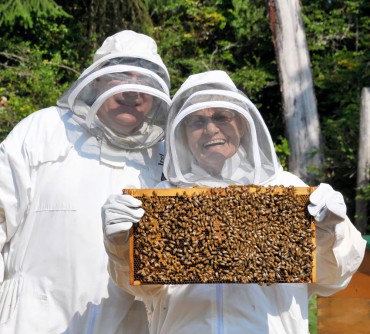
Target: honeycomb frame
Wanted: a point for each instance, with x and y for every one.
(223, 235)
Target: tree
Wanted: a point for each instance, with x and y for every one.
(105, 17)
(25, 11)
(300, 113)
(338, 34)
(363, 167)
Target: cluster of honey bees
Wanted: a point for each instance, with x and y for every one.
(238, 234)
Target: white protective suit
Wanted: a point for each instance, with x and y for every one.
(237, 308)
(57, 168)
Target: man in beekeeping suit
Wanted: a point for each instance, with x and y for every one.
(57, 168)
(216, 137)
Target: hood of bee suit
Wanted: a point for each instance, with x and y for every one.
(255, 161)
(126, 62)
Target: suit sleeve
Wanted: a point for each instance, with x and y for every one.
(118, 267)
(14, 188)
(339, 251)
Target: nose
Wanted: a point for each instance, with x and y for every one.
(210, 127)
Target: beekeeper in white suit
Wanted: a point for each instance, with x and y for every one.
(57, 168)
(216, 137)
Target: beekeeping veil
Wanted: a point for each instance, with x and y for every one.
(119, 56)
(255, 161)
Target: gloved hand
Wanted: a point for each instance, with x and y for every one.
(119, 213)
(327, 205)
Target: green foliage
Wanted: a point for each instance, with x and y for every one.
(195, 36)
(24, 12)
(283, 151)
(338, 34)
(30, 85)
(185, 32)
(250, 21)
(31, 79)
(312, 315)
(363, 194)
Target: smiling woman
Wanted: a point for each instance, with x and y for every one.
(217, 135)
(213, 135)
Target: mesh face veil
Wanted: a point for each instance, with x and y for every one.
(217, 137)
(124, 95)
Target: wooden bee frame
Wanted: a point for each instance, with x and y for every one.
(238, 234)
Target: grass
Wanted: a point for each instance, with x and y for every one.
(312, 315)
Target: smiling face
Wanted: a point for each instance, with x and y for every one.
(125, 112)
(213, 136)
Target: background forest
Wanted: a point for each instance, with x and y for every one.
(46, 44)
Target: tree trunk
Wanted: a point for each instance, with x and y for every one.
(363, 166)
(299, 102)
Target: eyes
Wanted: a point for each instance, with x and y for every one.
(219, 118)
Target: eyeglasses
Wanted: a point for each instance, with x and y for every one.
(219, 118)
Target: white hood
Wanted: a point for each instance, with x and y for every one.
(255, 162)
(119, 55)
